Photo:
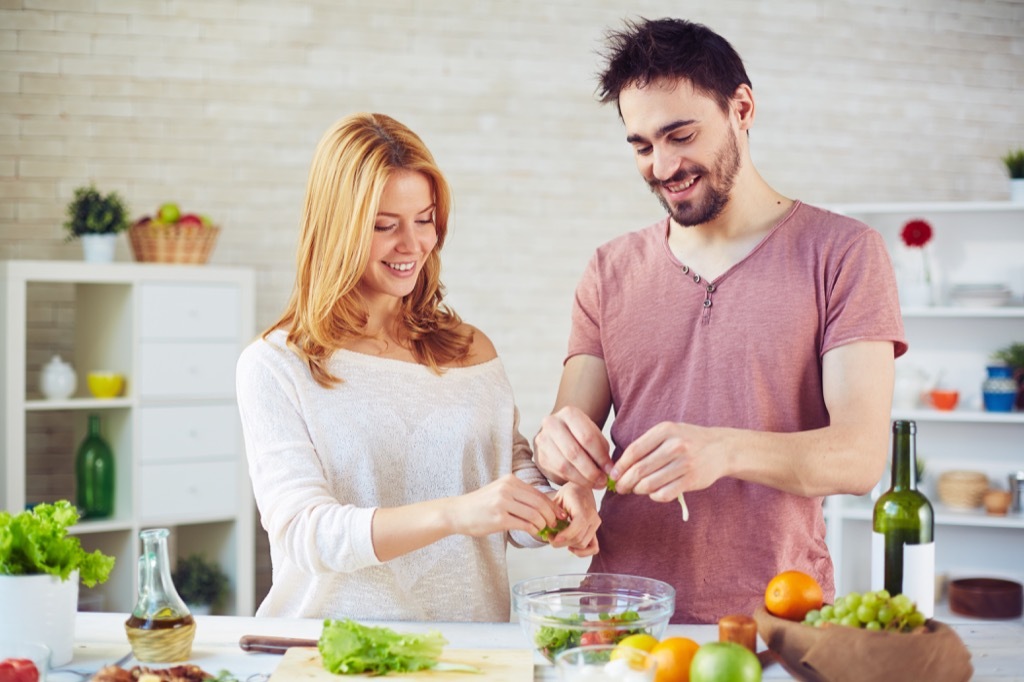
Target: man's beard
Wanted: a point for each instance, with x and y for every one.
(718, 185)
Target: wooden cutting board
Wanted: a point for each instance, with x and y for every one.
(498, 665)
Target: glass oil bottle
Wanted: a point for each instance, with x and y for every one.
(160, 628)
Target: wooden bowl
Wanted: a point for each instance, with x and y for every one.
(997, 502)
(933, 652)
(986, 598)
(963, 489)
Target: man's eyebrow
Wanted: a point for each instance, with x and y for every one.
(662, 131)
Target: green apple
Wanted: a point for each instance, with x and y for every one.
(169, 213)
(724, 662)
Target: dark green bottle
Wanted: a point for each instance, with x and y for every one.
(903, 545)
(94, 472)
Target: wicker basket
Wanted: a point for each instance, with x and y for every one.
(963, 489)
(172, 243)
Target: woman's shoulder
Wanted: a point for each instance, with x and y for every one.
(481, 349)
(268, 349)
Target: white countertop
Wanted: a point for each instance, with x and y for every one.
(997, 647)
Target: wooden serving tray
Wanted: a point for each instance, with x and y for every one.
(498, 665)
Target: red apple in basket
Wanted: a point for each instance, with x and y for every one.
(190, 220)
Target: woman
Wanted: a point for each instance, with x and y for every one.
(380, 429)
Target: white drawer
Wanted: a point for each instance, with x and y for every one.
(189, 432)
(183, 491)
(201, 370)
(189, 311)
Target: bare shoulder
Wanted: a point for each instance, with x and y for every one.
(481, 349)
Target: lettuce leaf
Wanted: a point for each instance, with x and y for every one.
(37, 542)
(349, 648)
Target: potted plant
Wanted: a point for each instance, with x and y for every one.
(1014, 162)
(40, 569)
(96, 219)
(1013, 356)
(200, 583)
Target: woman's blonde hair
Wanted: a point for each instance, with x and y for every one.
(350, 168)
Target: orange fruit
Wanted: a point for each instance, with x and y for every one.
(791, 594)
(674, 655)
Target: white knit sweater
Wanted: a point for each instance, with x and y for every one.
(393, 433)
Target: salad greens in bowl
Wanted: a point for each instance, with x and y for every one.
(582, 609)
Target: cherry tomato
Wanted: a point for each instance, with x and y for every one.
(598, 637)
(18, 670)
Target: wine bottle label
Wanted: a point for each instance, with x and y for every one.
(917, 578)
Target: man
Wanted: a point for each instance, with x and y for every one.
(746, 342)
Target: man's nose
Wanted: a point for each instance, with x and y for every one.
(665, 163)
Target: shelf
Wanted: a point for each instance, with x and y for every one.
(928, 207)
(77, 404)
(86, 527)
(944, 516)
(964, 416)
(175, 331)
(1011, 311)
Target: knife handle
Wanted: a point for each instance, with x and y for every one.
(272, 645)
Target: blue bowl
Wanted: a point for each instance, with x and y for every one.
(999, 402)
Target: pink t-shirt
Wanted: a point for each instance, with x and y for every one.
(742, 351)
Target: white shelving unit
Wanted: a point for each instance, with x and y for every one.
(175, 331)
(973, 243)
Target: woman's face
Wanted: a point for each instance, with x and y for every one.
(404, 234)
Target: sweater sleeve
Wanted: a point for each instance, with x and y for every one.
(305, 522)
(525, 470)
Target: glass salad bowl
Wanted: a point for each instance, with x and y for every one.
(562, 612)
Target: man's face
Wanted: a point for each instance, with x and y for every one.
(684, 146)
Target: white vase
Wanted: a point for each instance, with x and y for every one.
(98, 248)
(57, 380)
(1017, 190)
(915, 277)
(40, 608)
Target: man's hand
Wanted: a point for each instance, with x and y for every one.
(571, 448)
(670, 459)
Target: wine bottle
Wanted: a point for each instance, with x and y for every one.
(902, 544)
(94, 472)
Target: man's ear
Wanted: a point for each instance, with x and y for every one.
(742, 106)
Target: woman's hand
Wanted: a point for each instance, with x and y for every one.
(581, 535)
(500, 506)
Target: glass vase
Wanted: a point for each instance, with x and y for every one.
(94, 474)
(160, 628)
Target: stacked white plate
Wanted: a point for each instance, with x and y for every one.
(980, 295)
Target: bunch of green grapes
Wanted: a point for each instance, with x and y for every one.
(870, 610)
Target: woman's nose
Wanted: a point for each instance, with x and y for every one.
(407, 239)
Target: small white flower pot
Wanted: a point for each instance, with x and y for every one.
(98, 248)
(40, 608)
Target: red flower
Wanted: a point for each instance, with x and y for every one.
(916, 233)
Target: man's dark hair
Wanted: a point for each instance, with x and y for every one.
(647, 50)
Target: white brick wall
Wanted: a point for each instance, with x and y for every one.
(217, 104)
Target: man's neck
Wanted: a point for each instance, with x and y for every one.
(713, 247)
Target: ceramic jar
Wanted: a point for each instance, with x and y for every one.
(999, 390)
(57, 380)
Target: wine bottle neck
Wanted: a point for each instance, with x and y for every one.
(904, 456)
(94, 425)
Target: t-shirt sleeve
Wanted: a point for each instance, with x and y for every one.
(863, 304)
(585, 334)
